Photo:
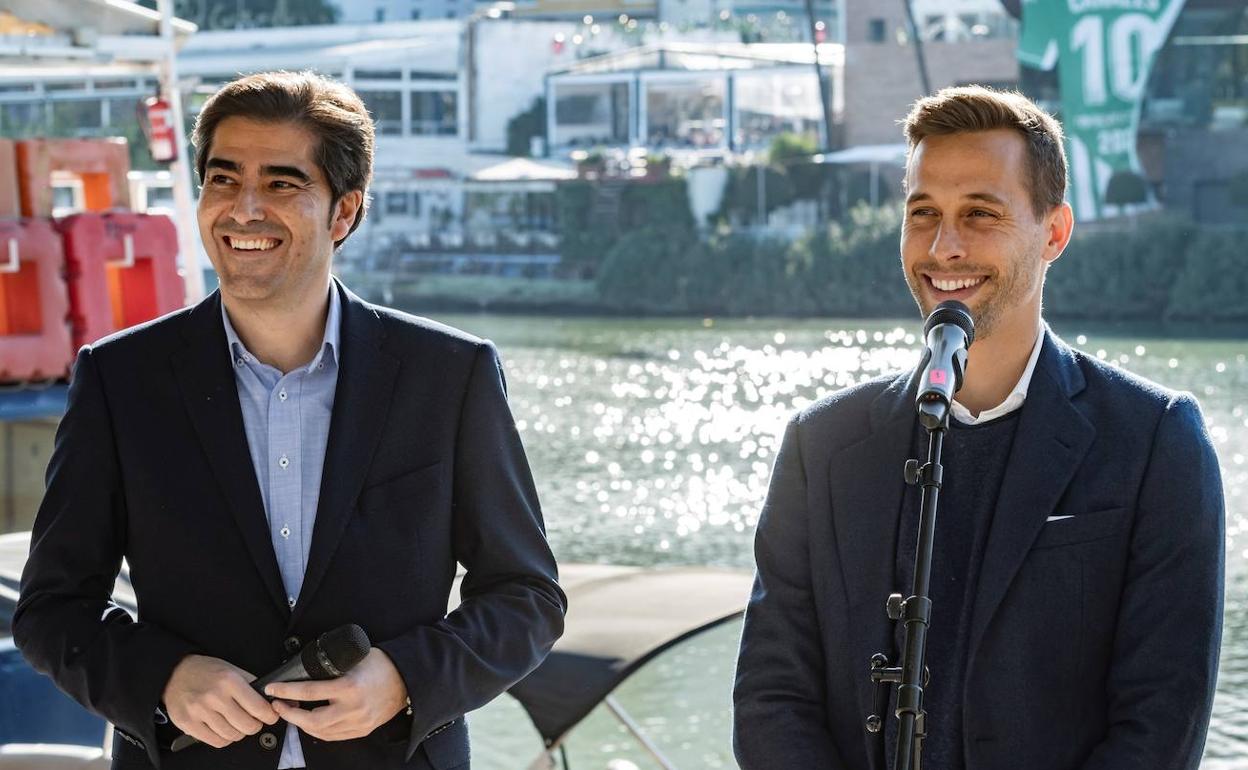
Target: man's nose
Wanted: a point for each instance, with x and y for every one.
(947, 245)
(247, 206)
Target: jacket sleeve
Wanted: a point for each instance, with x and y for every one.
(65, 622)
(512, 608)
(780, 719)
(1169, 624)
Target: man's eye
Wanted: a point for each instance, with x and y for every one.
(280, 185)
(219, 179)
(920, 212)
(982, 213)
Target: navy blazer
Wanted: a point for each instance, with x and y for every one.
(424, 468)
(1094, 639)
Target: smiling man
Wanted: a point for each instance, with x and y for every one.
(1078, 559)
(277, 461)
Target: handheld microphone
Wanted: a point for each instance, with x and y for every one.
(332, 655)
(949, 331)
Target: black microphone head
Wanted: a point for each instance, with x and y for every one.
(335, 652)
(952, 312)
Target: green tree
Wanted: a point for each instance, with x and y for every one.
(523, 127)
(1126, 187)
(788, 147)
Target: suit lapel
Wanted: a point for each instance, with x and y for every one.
(205, 376)
(1051, 441)
(866, 487)
(366, 378)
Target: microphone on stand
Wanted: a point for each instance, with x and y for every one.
(949, 331)
(332, 655)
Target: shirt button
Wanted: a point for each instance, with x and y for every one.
(320, 366)
(282, 395)
(238, 362)
(290, 600)
(268, 741)
(283, 461)
(292, 644)
(285, 531)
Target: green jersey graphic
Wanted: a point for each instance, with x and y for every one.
(1103, 50)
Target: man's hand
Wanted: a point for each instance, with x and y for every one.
(360, 702)
(211, 700)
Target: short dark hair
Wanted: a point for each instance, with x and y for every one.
(330, 110)
(976, 108)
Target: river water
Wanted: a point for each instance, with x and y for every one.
(651, 443)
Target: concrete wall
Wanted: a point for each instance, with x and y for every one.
(882, 78)
(1198, 169)
(25, 448)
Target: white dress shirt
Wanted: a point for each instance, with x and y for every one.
(1014, 400)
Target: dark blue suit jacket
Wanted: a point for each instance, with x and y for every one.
(1094, 639)
(423, 468)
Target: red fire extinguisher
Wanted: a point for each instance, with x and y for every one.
(160, 127)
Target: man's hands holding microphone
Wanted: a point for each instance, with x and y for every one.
(213, 701)
(360, 702)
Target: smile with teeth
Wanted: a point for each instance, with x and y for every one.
(956, 284)
(252, 244)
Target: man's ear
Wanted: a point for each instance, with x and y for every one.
(343, 214)
(1059, 225)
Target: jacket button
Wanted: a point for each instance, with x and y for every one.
(268, 740)
(292, 644)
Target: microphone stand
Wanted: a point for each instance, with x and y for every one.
(916, 611)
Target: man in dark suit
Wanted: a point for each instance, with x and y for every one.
(281, 459)
(1078, 560)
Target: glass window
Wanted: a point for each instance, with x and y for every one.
(123, 111)
(685, 113)
(66, 85)
(769, 105)
(428, 75)
(435, 113)
(22, 119)
(69, 117)
(386, 109)
(592, 114)
(396, 202)
(378, 74)
(876, 30)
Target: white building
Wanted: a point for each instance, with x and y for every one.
(442, 94)
(692, 99)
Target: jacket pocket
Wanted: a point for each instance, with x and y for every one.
(399, 489)
(1082, 528)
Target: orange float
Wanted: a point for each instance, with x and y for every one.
(102, 166)
(34, 304)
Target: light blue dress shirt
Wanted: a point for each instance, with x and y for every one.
(286, 417)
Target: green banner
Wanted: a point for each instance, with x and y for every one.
(1103, 51)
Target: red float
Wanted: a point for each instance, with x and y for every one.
(34, 304)
(122, 271)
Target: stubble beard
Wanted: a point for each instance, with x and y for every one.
(1005, 290)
